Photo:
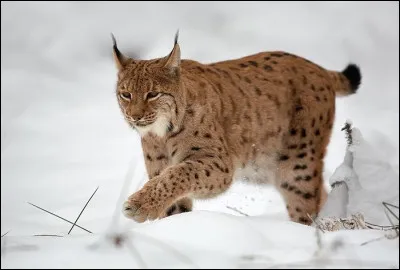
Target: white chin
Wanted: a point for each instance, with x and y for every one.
(159, 127)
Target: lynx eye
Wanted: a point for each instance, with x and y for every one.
(152, 95)
(126, 95)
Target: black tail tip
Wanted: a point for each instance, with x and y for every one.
(353, 74)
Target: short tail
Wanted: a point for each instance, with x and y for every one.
(348, 81)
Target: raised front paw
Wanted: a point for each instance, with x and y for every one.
(141, 207)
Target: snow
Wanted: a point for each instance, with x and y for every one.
(354, 184)
(62, 133)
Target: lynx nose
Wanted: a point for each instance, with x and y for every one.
(136, 117)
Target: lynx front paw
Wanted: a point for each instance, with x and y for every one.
(140, 207)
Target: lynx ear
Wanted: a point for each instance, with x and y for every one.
(119, 59)
(173, 61)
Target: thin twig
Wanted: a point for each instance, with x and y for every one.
(390, 210)
(392, 205)
(236, 210)
(391, 222)
(66, 220)
(82, 210)
(6, 233)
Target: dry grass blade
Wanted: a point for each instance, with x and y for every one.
(82, 210)
(66, 220)
(349, 137)
(49, 235)
(373, 240)
(6, 233)
(237, 210)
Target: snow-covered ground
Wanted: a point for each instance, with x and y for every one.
(62, 133)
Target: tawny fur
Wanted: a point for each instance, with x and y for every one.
(270, 114)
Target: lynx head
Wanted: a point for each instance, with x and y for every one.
(149, 92)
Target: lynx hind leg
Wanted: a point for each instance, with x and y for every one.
(299, 175)
(181, 206)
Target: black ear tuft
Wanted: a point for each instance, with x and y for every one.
(176, 37)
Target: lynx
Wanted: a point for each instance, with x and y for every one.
(266, 117)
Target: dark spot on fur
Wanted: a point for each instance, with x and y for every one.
(317, 132)
(299, 108)
(160, 157)
(284, 185)
(207, 135)
(313, 87)
(196, 133)
(173, 153)
(317, 98)
(149, 157)
(298, 192)
(268, 68)
(195, 148)
(200, 69)
(267, 58)
(190, 112)
(291, 82)
(254, 63)
(303, 145)
(313, 151)
(315, 173)
(298, 178)
(307, 178)
(303, 132)
(293, 146)
(307, 196)
(283, 157)
(293, 132)
(302, 155)
(300, 167)
(305, 80)
(298, 210)
(274, 62)
(258, 91)
(207, 173)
